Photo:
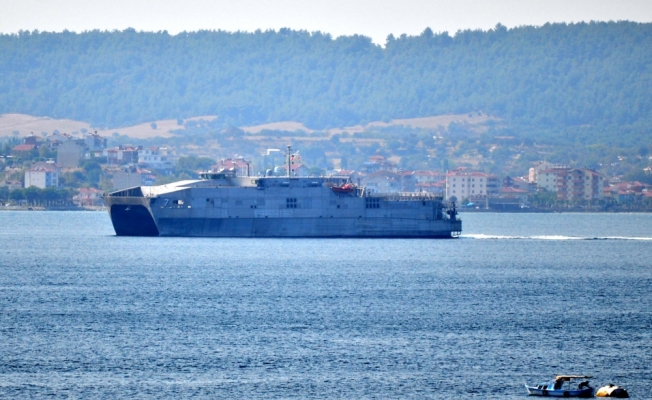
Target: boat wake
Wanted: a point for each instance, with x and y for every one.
(552, 237)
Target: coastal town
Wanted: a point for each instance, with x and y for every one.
(61, 171)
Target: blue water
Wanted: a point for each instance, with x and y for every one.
(520, 297)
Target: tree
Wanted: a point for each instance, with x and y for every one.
(31, 193)
(543, 199)
(91, 165)
(17, 194)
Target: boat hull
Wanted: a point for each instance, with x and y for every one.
(301, 227)
(137, 220)
(133, 220)
(579, 393)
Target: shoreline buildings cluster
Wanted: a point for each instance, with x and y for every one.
(131, 166)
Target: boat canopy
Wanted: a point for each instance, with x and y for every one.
(569, 377)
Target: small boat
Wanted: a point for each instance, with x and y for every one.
(345, 188)
(612, 390)
(563, 386)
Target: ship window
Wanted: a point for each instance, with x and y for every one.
(372, 202)
(291, 202)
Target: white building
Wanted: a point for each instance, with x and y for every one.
(470, 185)
(547, 178)
(42, 175)
(426, 176)
(383, 181)
(534, 172)
(157, 157)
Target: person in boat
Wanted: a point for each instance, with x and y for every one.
(582, 385)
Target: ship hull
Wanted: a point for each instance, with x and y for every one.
(137, 220)
(302, 227)
(133, 220)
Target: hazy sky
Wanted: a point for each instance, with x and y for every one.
(376, 18)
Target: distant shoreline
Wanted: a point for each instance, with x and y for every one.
(551, 211)
(53, 208)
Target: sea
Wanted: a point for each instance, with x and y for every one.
(518, 298)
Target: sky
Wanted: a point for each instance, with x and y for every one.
(373, 18)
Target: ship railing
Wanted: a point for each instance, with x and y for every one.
(130, 192)
(405, 196)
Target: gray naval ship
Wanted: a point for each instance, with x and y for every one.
(221, 204)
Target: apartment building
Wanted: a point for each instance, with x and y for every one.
(471, 185)
(42, 175)
(572, 183)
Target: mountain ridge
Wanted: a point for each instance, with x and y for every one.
(586, 81)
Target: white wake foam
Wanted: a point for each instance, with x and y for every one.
(552, 237)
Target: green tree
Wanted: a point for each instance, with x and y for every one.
(31, 193)
(17, 195)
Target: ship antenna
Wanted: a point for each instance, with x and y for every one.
(289, 165)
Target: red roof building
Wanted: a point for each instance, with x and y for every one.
(23, 150)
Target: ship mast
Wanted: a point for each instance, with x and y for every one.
(289, 157)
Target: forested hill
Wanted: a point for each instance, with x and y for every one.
(597, 76)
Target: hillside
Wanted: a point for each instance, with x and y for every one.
(578, 83)
(25, 125)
